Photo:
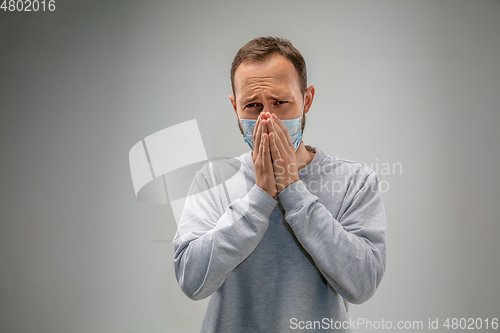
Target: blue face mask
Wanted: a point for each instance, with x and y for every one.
(294, 127)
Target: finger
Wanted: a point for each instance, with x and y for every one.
(262, 143)
(270, 130)
(275, 152)
(282, 135)
(256, 127)
(269, 125)
(259, 129)
(264, 115)
(268, 164)
(257, 136)
(280, 142)
(281, 127)
(267, 117)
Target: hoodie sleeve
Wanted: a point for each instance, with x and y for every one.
(349, 252)
(208, 245)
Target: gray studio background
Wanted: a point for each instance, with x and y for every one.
(409, 82)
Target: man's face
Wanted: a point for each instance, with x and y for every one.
(271, 85)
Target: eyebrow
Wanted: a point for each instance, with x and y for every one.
(273, 97)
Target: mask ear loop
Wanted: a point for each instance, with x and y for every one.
(240, 124)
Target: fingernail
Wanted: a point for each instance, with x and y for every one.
(274, 115)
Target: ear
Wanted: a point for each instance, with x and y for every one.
(233, 102)
(308, 96)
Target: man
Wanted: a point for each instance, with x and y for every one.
(283, 237)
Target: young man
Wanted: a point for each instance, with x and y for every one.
(284, 236)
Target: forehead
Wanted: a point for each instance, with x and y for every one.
(275, 71)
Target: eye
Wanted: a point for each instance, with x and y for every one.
(252, 105)
(280, 102)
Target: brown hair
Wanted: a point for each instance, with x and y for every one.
(261, 48)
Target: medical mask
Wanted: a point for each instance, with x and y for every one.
(294, 127)
(248, 126)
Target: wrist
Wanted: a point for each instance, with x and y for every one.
(293, 180)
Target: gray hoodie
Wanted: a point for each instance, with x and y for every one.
(289, 264)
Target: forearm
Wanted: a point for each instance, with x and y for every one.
(351, 256)
(204, 259)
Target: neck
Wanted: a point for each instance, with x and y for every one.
(304, 157)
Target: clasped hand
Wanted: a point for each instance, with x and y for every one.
(274, 155)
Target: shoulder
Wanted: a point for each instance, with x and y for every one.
(348, 167)
(219, 169)
(349, 171)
